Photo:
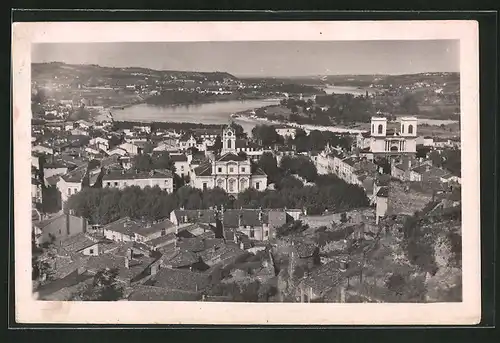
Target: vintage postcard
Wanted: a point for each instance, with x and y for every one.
(247, 172)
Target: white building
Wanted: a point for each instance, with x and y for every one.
(285, 131)
(101, 143)
(229, 171)
(387, 143)
(121, 179)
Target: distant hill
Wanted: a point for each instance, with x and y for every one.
(90, 72)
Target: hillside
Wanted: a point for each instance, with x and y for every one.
(43, 72)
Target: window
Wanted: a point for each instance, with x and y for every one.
(91, 251)
(108, 184)
(410, 129)
(231, 169)
(219, 169)
(163, 232)
(380, 128)
(403, 128)
(257, 185)
(59, 231)
(69, 191)
(182, 168)
(242, 169)
(252, 232)
(373, 128)
(116, 184)
(204, 186)
(266, 233)
(229, 144)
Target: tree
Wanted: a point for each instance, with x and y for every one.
(105, 287)
(238, 130)
(143, 162)
(267, 162)
(409, 104)
(162, 160)
(216, 197)
(292, 228)
(266, 134)
(218, 144)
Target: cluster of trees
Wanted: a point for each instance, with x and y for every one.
(419, 239)
(449, 159)
(317, 140)
(292, 228)
(347, 108)
(409, 104)
(314, 141)
(104, 287)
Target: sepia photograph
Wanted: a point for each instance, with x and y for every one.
(254, 172)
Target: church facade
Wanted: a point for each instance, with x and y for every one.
(228, 171)
(388, 142)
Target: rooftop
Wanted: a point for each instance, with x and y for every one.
(131, 175)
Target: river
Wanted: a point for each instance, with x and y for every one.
(210, 113)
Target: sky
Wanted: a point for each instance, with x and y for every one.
(261, 59)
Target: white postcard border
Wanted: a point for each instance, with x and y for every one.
(29, 310)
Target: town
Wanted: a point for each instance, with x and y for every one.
(157, 211)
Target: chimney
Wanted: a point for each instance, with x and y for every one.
(242, 246)
(126, 262)
(213, 168)
(84, 225)
(68, 231)
(129, 254)
(154, 269)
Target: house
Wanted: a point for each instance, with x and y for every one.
(59, 227)
(101, 143)
(130, 148)
(122, 178)
(179, 279)
(187, 141)
(427, 173)
(54, 168)
(43, 149)
(257, 224)
(83, 124)
(451, 179)
(286, 131)
(381, 203)
(79, 132)
(36, 191)
(128, 230)
(327, 283)
(118, 151)
(182, 164)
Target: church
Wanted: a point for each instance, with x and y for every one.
(228, 171)
(391, 142)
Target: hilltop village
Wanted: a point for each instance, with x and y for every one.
(288, 212)
(144, 213)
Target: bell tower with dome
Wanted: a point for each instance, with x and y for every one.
(228, 140)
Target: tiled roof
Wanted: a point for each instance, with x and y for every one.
(179, 158)
(129, 226)
(179, 279)
(75, 175)
(152, 293)
(383, 192)
(204, 170)
(181, 258)
(232, 217)
(112, 261)
(230, 157)
(77, 242)
(127, 175)
(328, 276)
